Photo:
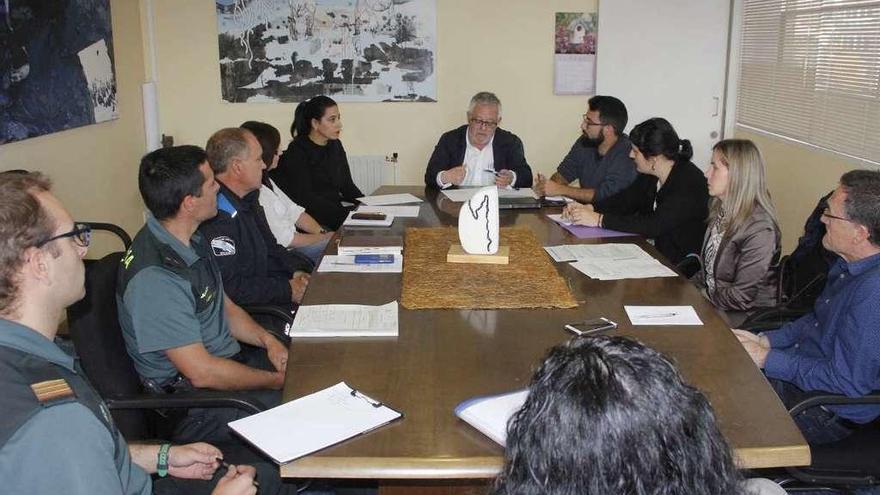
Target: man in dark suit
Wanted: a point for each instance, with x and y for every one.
(479, 153)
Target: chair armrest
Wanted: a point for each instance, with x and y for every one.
(186, 400)
(833, 399)
(274, 311)
(690, 265)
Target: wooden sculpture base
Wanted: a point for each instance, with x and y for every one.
(457, 254)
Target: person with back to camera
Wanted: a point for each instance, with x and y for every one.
(743, 240)
(668, 201)
(314, 170)
(609, 415)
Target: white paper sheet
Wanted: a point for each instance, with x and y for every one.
(313, 422)
(346, 264)
(603, 253)
(345, 320)
(389, 199)
(395, 211)
(464, 194)
(490, 414)
(602, 269)
(662, 315)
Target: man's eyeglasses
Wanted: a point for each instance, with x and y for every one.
(81, 233)
(485, 124)
(589, 122)
(827, 213)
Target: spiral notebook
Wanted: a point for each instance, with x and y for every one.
(314, 422)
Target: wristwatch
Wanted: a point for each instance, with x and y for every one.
(162, 464)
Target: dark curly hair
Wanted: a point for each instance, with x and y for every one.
(608, 415)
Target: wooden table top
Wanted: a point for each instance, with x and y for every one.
(442, 357)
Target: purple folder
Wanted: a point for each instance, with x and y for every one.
(584, 232)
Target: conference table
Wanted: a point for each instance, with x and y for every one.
(443, 357)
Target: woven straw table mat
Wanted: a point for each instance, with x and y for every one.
(528, 281)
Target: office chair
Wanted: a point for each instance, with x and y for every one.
(97, 338)
(800, 278)
(853, 462)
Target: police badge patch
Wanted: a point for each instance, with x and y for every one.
(223, 246)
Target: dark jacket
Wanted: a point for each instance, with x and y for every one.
(507, 151)
(255, 268)
(677, 224)
(317, 178)
(743, 267)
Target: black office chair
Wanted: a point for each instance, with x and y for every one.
(97, 338)
(853, 462)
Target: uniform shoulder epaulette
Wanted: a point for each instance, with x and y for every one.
(50, 391)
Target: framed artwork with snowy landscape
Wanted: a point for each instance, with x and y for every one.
(56, 66)
(350, 50)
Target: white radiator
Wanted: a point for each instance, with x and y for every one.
(371, 171)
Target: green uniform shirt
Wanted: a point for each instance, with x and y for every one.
(171, 296)
(64, 448)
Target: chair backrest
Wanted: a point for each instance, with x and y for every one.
(803, 273)
(97, 337)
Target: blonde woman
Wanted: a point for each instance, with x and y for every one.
(742, 241)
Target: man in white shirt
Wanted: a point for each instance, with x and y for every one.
(479, 153)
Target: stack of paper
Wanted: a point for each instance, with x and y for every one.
(491, 414)
(395, 211)
(465, 194)
(346, 264)
(313, 422)
(389, 199)
(351, 245)
(351, 222)
(345, 320)
(610, 261)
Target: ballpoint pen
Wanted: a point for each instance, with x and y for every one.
(493, 172)
(660, 315)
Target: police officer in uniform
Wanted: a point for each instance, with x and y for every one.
(56, 434)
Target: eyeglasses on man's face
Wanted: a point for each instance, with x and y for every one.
(589, 122)
(827, 214)
(485, 124)
(81, 234)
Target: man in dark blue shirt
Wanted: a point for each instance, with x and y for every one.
(836, 347)
(599, 159)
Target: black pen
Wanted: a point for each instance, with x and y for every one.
(227, 466)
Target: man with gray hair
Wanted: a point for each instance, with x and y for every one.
(479, 153)
(256, 269)
(836, 347)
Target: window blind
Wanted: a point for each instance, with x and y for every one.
(810, 71)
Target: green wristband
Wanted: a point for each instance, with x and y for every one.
(162, 465)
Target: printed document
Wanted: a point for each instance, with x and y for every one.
(345, 320)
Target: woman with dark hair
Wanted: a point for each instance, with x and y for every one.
(314, 171)
(668, 202)
(743, 238)
(608, 415)
(292, 227)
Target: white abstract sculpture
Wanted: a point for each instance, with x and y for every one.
(478, 222)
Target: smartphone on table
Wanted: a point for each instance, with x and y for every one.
(590, 326)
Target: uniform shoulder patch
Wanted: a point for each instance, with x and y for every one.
(51, 390)
(223, 246)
